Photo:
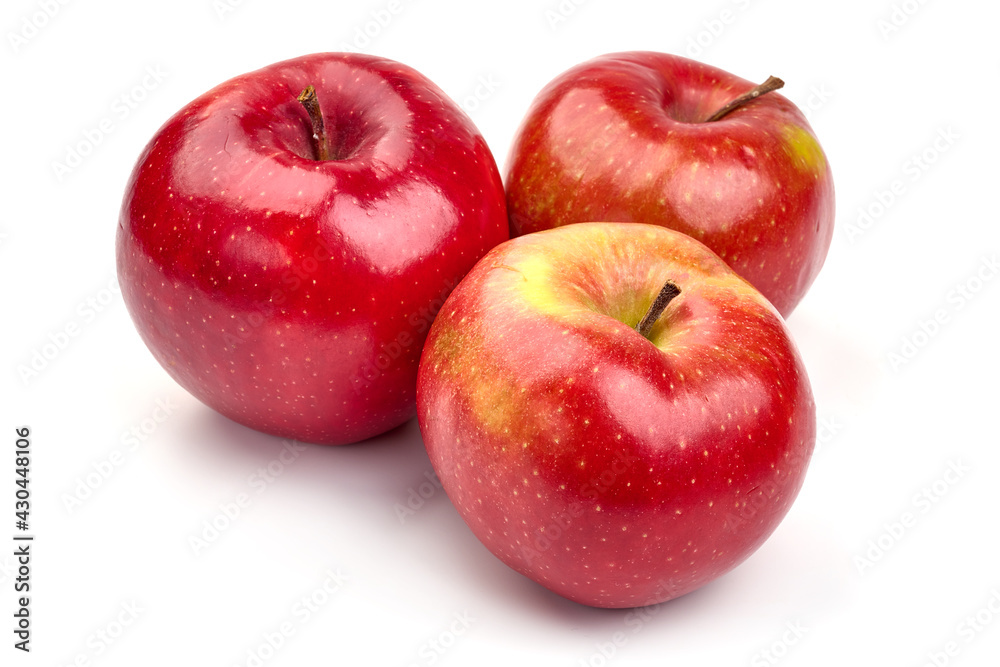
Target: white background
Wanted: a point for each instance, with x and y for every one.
(856, 584)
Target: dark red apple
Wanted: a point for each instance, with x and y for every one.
(616, 455)
(283, 258)
(630, 137)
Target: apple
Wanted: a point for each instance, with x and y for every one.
(618, 453)
(651, 137)
(287, 238)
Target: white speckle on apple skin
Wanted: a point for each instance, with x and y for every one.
(724, 472)
(322, 400)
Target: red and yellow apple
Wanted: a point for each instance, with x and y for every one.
(651, 137)
(614, 466)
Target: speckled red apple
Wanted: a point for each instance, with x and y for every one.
(630, 137)
(286, 274)
(614, 467)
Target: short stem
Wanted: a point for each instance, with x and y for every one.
(772, 83)
(666, 295)
(309, 100)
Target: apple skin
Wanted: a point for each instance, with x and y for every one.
(294, 295)
(615, 470)
(622, 138)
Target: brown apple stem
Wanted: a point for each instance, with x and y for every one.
(772, 83)
(309, 100)
(666, 295)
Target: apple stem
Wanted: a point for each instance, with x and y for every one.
(309, 100)
(772, 83)
(666, 295)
